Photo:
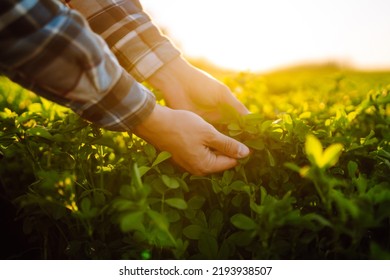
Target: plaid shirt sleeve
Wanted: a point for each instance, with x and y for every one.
(137, 43)
(51, 50)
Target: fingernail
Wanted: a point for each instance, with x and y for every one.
(243, 151)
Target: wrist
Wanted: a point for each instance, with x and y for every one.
(170, 76)
(153, 123)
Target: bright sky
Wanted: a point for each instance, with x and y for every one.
(267, 34)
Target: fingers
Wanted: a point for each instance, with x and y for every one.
(194, 144)
(211, 162)
(228, 146)
(218, 163)
(212, 152)
(221, 153)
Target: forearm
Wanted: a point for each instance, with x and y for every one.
(172, 75)
(55, 54)
(137, 43)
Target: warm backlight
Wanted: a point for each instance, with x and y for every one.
(261, 35)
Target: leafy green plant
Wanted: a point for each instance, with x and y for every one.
(315, 186)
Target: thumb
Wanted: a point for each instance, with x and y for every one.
(228, 146)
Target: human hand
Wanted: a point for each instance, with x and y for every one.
(195, 145)
(186, 87)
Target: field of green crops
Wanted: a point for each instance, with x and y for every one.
(316, 186)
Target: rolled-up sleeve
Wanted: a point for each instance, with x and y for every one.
(50, 49)
(137, 43)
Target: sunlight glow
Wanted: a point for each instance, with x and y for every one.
(262, 35)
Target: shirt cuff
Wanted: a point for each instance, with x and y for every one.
(138, 44)
(57, 56)
(123, 108)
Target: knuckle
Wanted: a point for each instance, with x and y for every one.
(199, 170)
(205, 167)
(228, 147)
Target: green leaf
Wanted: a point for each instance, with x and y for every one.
(317, 218)
(161, 157)
(196, 202)
(241, 238)
(305, 115)
(26, 116)
(170, 182)
(287, 120)
(369, 139)
(313, 149)
(379, 252)
(241, 186)
(40, 132)
(271, 158)
(253, 117)
(243, 222)
(292, 166)
(344, 205)
(258, 209)
(263, 194)
(123, 205)
(85, 205)
(216, 220)
(256, 144)
(331, 155)
(150, 151)
(226, 250)
(193, 231)
(162, 223)
(132, 221)
(227, 177)
(107, 141)
(277, 134)
(237, 200)
(172, 216)
(159, 220)
(208, 246)
(35, 107)
(265, 125)
(235, 132)
(361, 183)
(176, 203)
(380, 193)
(234, 126)
(8, 114)
(352, 169)
(142, 170)
(136, 176)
